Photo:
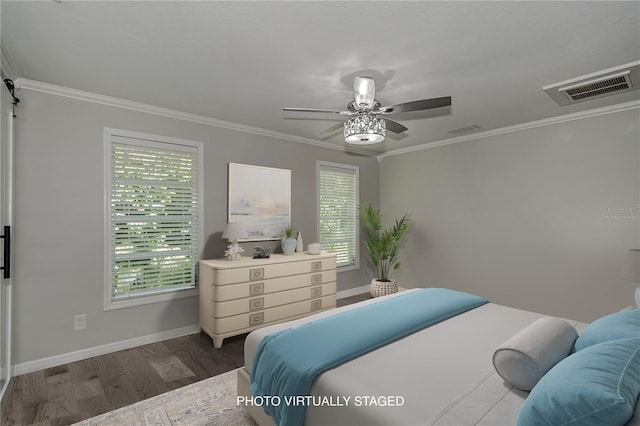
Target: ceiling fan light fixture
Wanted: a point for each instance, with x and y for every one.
(365, 126)
(365, 129)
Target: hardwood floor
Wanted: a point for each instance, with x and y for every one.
(68, 393)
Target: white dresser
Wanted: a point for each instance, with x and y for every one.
(239, 296)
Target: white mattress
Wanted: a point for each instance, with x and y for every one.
(430, 369)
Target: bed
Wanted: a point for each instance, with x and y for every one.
(443, 374)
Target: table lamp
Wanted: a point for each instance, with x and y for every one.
(631, 270)
(232, 233)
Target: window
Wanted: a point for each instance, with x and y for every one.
(153, 217)
(338, 212)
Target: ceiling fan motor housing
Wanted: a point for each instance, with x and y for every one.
(364, 92)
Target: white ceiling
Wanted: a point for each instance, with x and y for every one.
(243, 61)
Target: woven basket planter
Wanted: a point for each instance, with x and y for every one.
(382, 288)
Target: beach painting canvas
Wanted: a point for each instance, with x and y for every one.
(260, 197)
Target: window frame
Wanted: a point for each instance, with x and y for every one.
(356, 169)
(152, 296)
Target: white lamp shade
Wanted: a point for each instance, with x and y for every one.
(235, 231)
(631, 269)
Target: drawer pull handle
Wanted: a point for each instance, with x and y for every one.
(255, 304)
(316, 279)
(256, 289)
(256, 274)
(316, 292)
(255, 319)
(316, 266)
(316, 304)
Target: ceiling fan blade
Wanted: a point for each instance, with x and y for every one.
(394, 126)
(417, 105)
(364, 91)
(332, 111)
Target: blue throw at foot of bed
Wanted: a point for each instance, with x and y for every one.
(287, 362)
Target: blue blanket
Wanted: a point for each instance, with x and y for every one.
(287, 362)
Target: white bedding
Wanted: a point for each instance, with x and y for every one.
(430, 369)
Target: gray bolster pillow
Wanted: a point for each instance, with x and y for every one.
(528, 355)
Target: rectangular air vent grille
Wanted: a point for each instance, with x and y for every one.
(597, 88)
(604, 83)
(464, 130)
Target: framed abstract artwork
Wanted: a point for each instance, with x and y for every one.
(260, 197)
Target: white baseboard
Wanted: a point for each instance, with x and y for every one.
(41, 364)
(358, 290)
(352, 291)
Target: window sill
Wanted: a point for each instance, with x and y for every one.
(347, 268)
(110, 305)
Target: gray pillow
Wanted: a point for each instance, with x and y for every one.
(528, 355)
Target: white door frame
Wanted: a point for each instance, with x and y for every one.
(6, 216)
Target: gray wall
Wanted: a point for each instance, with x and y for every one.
(538, 219)
(59, 214)
(527, 219)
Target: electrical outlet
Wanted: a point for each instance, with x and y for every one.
(80, 322)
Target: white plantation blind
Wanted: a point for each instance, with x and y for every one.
(154, 217)
(338, 211)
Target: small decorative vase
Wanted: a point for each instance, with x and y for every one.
(382, 288)
(288, 246)
(299, 243)
(314, 248)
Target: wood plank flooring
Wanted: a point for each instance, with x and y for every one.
(68, 393)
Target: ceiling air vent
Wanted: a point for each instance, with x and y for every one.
(465, 130)
(616, 80)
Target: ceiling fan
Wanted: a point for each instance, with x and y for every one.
(367, 124)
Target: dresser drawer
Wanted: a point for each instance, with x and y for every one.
(268, 271)
(240, 306)
(322, 290)
(221, 293)
(278, 313)
(242, 295)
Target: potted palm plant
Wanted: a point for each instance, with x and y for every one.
(382, 245)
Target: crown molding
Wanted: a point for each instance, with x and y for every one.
(81, 95)
(517, 128)
(53, 89)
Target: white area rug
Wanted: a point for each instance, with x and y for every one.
(208, 402)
